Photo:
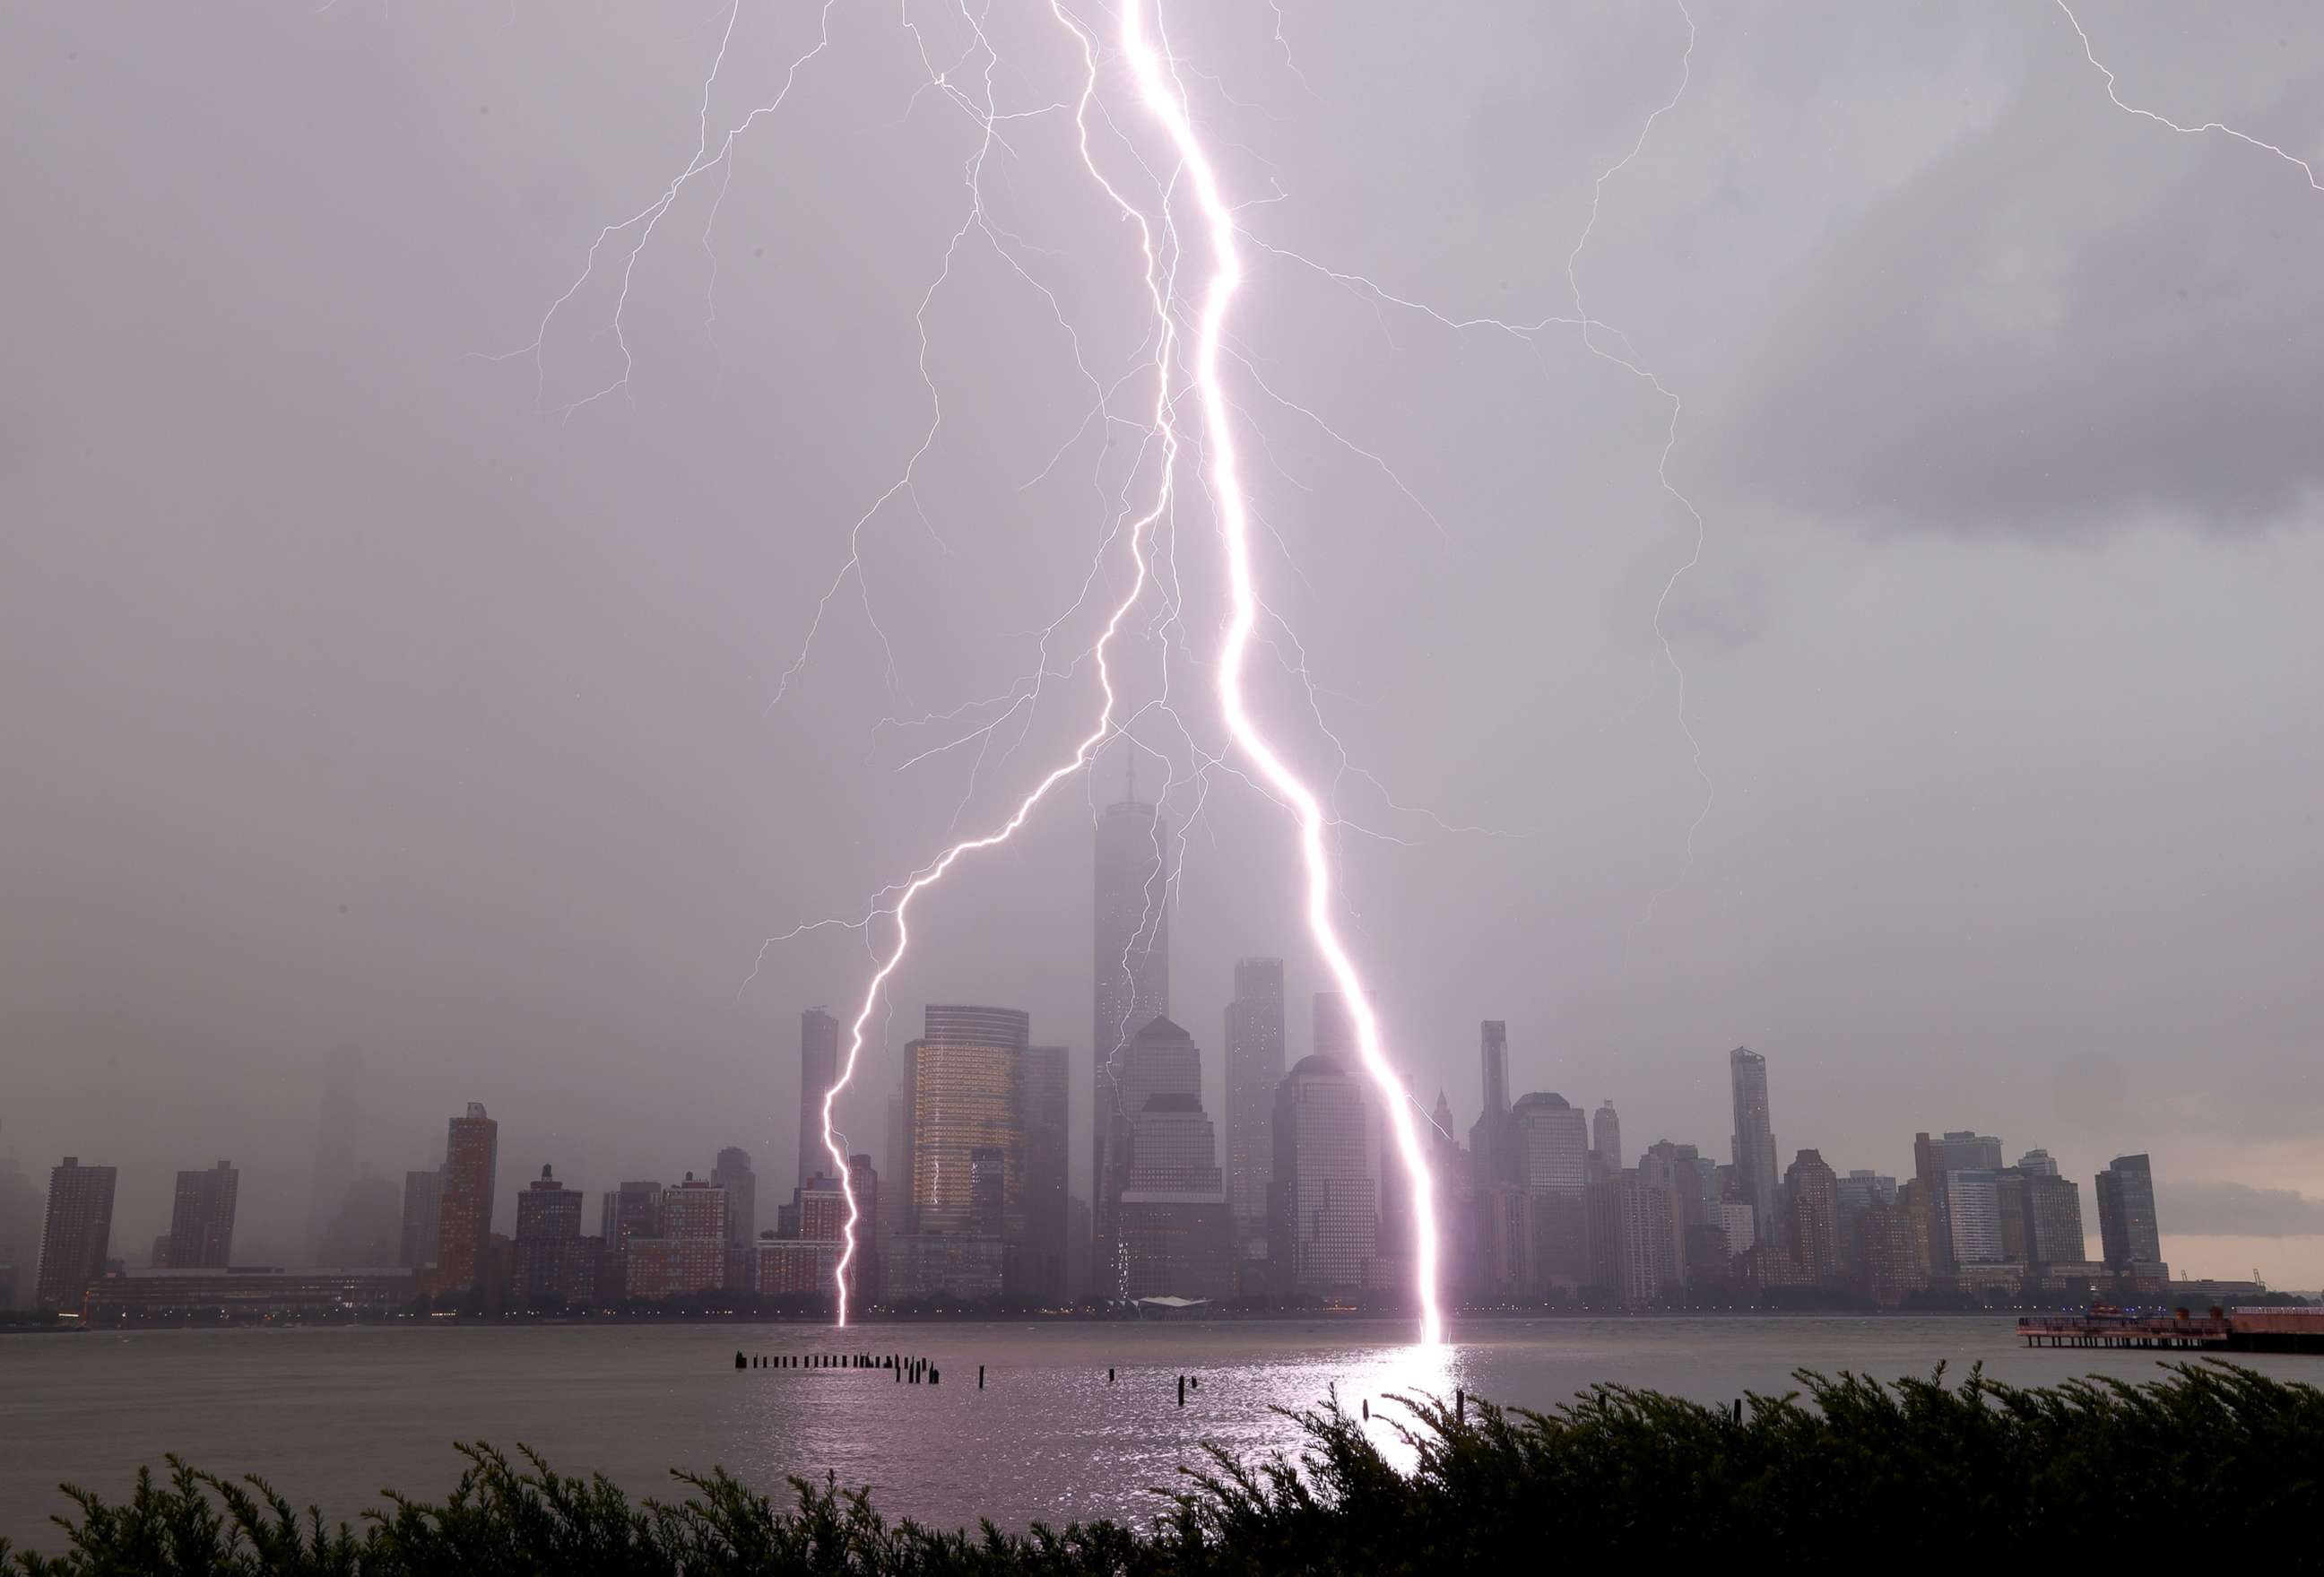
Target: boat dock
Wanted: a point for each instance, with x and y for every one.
(2266, 1330)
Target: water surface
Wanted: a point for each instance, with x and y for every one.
(333, 1416)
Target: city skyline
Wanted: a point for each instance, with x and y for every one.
(2125, 1210)
(1537, 1209)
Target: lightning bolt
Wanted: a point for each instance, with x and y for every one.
(1138, 531)
(1166, 101)
(2091, 54)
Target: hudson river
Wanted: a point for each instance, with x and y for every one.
(332, 1417)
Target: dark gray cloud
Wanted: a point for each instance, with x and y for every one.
(2070, 319)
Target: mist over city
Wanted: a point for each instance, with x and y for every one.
(1687, 631)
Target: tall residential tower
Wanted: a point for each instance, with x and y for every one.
(1755, 1144)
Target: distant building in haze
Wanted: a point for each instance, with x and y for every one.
(731, 1171)
(1325, 1209)
(1972, 1213)
(1755, 1143)
(77, 1235)
(424, 1208)
(1857, 1193)
(201, 1218)
(368, 1229)
(2053, 1220)
(1961, 1151)
(465, 1220)
(1174, 1231)
(818, 1071)
(1606, 1135)
(1131, 951)
(1255, 1062)
(1647, 1266)
(337, 1123)
(1044, 1088)
(2126, 1225)
(1690, 1180)
(1549, 1140)
(20, 1233)
(1492, 1145)
(1813, 1192)
(551, 1263)
(1889, 1263)
(1159, 1059)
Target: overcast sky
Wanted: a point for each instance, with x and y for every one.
(385, 716)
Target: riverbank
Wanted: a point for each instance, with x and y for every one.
(1847, 1466)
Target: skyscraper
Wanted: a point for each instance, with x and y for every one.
(336, 1127)
(687, 1252)
(863, 1272)
(1647, 1262)
(1159, 1059)
(1130, 948)
(1334, 1029)
(732, 1173)
(2053, 1220)
(1813, 1190)
(1491, 1147)
(547, 1208)
(1755, 1143)
(818, 1071)
(201, 1218)
(1859, 1192)
(1959, 1150)
(1493, 1051)
(1606, 1135)
(1254, 1053)
(471, 1163)
(1325, 1211)
(1550, 1161)
(1972, 1215)
(1679, 1171)
(423, 1207)
(1173, 1208)
(77, 1235)
(1044, 1094)
(367, 1229)
(2127, 1224)
(551, 1262)
(20, 1233)
(630, 1211)
(967, 1024)
(962, 1079)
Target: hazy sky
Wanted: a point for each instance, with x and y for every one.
(377, 719)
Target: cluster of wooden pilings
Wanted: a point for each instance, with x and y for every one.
(905, 1369)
